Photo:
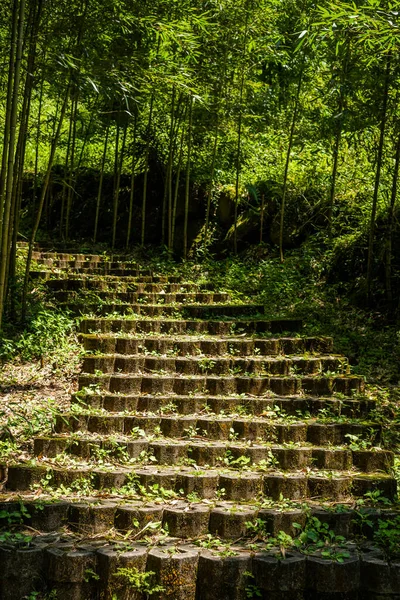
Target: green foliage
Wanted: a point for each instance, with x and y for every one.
(48, 334)
(317, 537)
(387, 537)
(139, 581)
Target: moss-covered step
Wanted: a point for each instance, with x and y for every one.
(228, 453)
(109, 297)
(206, 484)
(47, 274)
(210, 346)
(215, 365)
(173, 326)
(222, 385)
(235, 404)
(196, 311)
(91, 283)
(224, 427)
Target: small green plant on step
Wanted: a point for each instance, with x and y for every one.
(252, 590)
(138, 581)
(387, 537)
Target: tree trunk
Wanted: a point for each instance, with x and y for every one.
(7, 124)
(187, 187)
(146, 170)
(168, 174)
(239, 133)
(7, 209)
(377, 178)
(117, 186)
(38, 127)
(178, 176)
(103, 162)
(41, 201)
(391, 224)
(131, 194)
(71, 176)
(338, 137)
(34, 19)
(287, 162)
(210, 189)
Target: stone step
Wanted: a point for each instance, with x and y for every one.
(83, 257)
(122, 285)
(188, 326)
(222, 385)
(88, 567)
(206, 484)
(188, 345)
(215, 365)
(212, 427)
(72, 274)
(71, 267)
(239, 404)
(197, 311)
(109, 297)
(228, 454)
(191, 520)
(88, 264)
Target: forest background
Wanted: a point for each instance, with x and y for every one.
(262, 129)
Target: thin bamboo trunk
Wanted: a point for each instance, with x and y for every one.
(132, 190)
(377, 177)
(9, 200)
(239, 133)
(71, 177)
(41, 202)
(34, 19)
(100, 190)
(168, 174)
(38, 128)
(287, 162)
(338, 138)
(117, 186)
(187, 186)
(7, 124)
(65, 173)
(178, 175)
(210, 189)
(391, 224)
(146, 171)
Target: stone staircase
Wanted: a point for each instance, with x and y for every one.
(202, 436)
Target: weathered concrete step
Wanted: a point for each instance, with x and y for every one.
(196, 403)
(122, 285)
(211, 484)
(228, 454)
(188, 345)
(120, 272)
(48, 275)
(202, 311)
(89, 568)
(82, 256)
(216, 365)
(188, 520)
(88, 265)
(222, 385)
(221, 428)
(183, 326)
(90, 297)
